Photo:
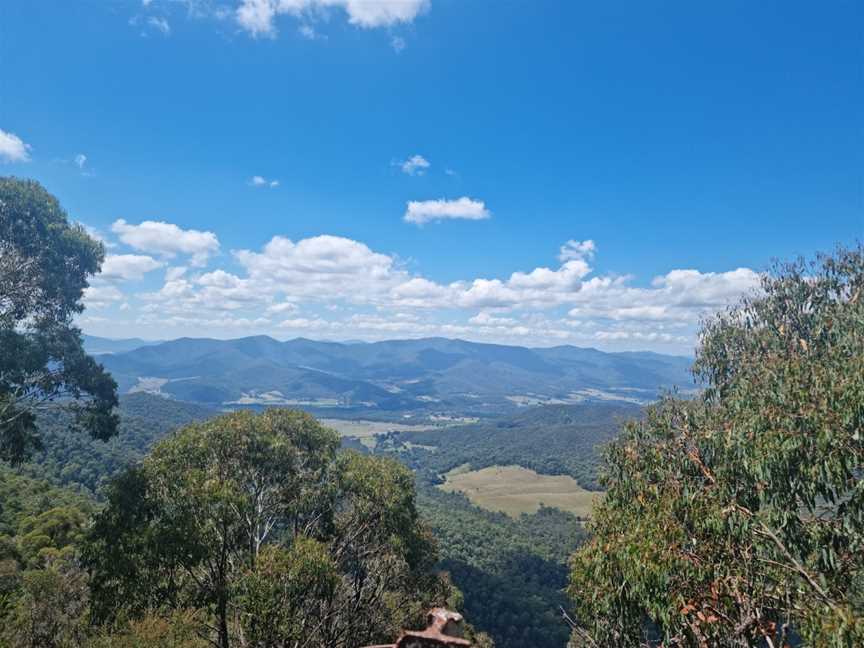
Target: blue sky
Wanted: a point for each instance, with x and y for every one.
(373, 169)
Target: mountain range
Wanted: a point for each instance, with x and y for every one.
(423, 375)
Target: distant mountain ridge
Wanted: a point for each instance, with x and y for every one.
(98, 345)
(430, 374)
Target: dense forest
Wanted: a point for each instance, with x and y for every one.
(68, 458)
(512, 573)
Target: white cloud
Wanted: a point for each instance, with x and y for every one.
(282, 307)
(305, 324)
(484, 318)
(212, 291)
(80, 160)
(321, 267)
(308, 32)
(159, 24)
(167, 240)
(418, 292)
(95, 233)
(101, 296)
(13, 148)
(577, 250)
(261, 181)
(258, 16)
(415, 165)
(334, 287)
(678, 296)
(124, 267)
(428, 211)
(174, 273)
(694, 288)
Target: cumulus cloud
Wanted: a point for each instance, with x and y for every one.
(13, 148)
(420, 212)
(212, 291)
(415, 165)
(257, 17)
(678, 296)
(282, 307)
(124, 267)
(577, 250)
(484, 318)
(321, 267)
(335, 287)
(101, 296)
(694, 288)
(175, 273)
(167, 240)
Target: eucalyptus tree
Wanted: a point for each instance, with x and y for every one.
(258, 521)
(45, 263)
(737, 519)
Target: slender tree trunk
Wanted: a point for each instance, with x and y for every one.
(222, 613)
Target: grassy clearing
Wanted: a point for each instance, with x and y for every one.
(360, 428)
(514, 490)
(366, 430)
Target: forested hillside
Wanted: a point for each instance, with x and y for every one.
(553, 440)
(70, 459)
(512, 572)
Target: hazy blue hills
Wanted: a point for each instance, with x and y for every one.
(432, 374)
(99, 345)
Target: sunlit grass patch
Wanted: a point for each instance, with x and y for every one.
(514, 490)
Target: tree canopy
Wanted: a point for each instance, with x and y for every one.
(737, 518)
(237, 515)
(45, 263)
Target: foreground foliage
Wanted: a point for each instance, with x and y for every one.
(45, 263)
(511, 571)
(738, 519)
(258, 523)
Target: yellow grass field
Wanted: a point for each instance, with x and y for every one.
(366, 430)
(514, 490)
(360, 428)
